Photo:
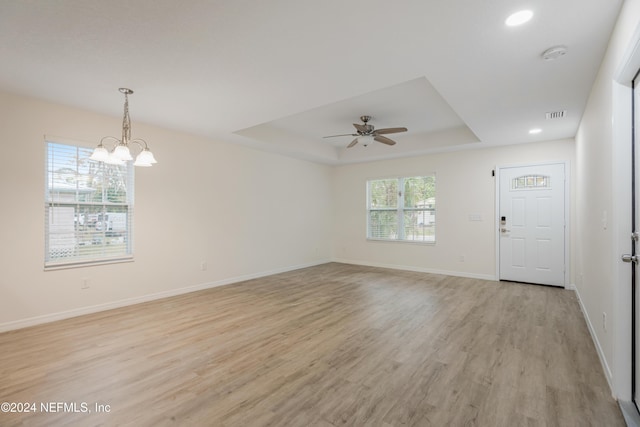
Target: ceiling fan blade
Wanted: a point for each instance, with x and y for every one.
(344, 134)
(354, 142)
(361, 128)
(384, 140)
(388, 130)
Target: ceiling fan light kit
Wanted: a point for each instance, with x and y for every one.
(366, 133)
(365, 140)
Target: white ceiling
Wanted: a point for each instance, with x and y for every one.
(279, 75)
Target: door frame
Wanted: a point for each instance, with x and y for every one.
(567, 213)
(622, 94)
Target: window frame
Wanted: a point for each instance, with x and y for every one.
(103, 207)
(400, 210)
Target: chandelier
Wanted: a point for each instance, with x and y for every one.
(120, 153)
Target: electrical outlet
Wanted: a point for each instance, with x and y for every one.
(604, 321)
(461, 258)
(203, 266)
(85, 283)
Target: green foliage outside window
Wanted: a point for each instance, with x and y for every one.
(401, 209)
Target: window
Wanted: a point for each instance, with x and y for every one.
(88, 208)
(531, 182)
(402, 209)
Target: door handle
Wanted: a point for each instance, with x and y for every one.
(629, 258)
(504, 230)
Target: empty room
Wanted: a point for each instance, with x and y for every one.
(281, 213)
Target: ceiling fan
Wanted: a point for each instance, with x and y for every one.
(366, 132)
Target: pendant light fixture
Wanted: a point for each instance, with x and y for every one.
(121, 151)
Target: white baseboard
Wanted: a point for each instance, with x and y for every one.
(47, 318)
(603, 361)
(418, 269)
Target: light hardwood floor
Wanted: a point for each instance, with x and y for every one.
(325, 346)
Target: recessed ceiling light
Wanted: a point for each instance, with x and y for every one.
(535, 131)
(519, 18)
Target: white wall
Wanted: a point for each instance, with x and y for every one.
(464, 186)
(244, 212)
(601, 194)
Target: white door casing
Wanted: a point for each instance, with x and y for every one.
(619, 367)
(532, 224)
(635, 315)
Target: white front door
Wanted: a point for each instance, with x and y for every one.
(532, 224)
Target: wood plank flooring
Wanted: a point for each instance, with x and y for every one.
(332, 345)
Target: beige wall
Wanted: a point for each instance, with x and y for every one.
(600, 202)
(247, 213)
(242, 211)
(464, 186)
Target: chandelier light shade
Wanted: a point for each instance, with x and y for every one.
(121, 152)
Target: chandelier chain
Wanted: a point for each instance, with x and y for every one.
(126, 122)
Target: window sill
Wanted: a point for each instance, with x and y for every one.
(67, 265)
(410, 242)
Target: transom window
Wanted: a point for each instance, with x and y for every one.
(88, 208)
(531, 182)
(402, 209)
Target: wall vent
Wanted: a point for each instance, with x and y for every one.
(556, 114)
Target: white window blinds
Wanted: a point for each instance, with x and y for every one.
(88, 208)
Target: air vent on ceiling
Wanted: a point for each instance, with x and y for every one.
(556, 114)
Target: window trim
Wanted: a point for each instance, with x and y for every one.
(400, 210)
